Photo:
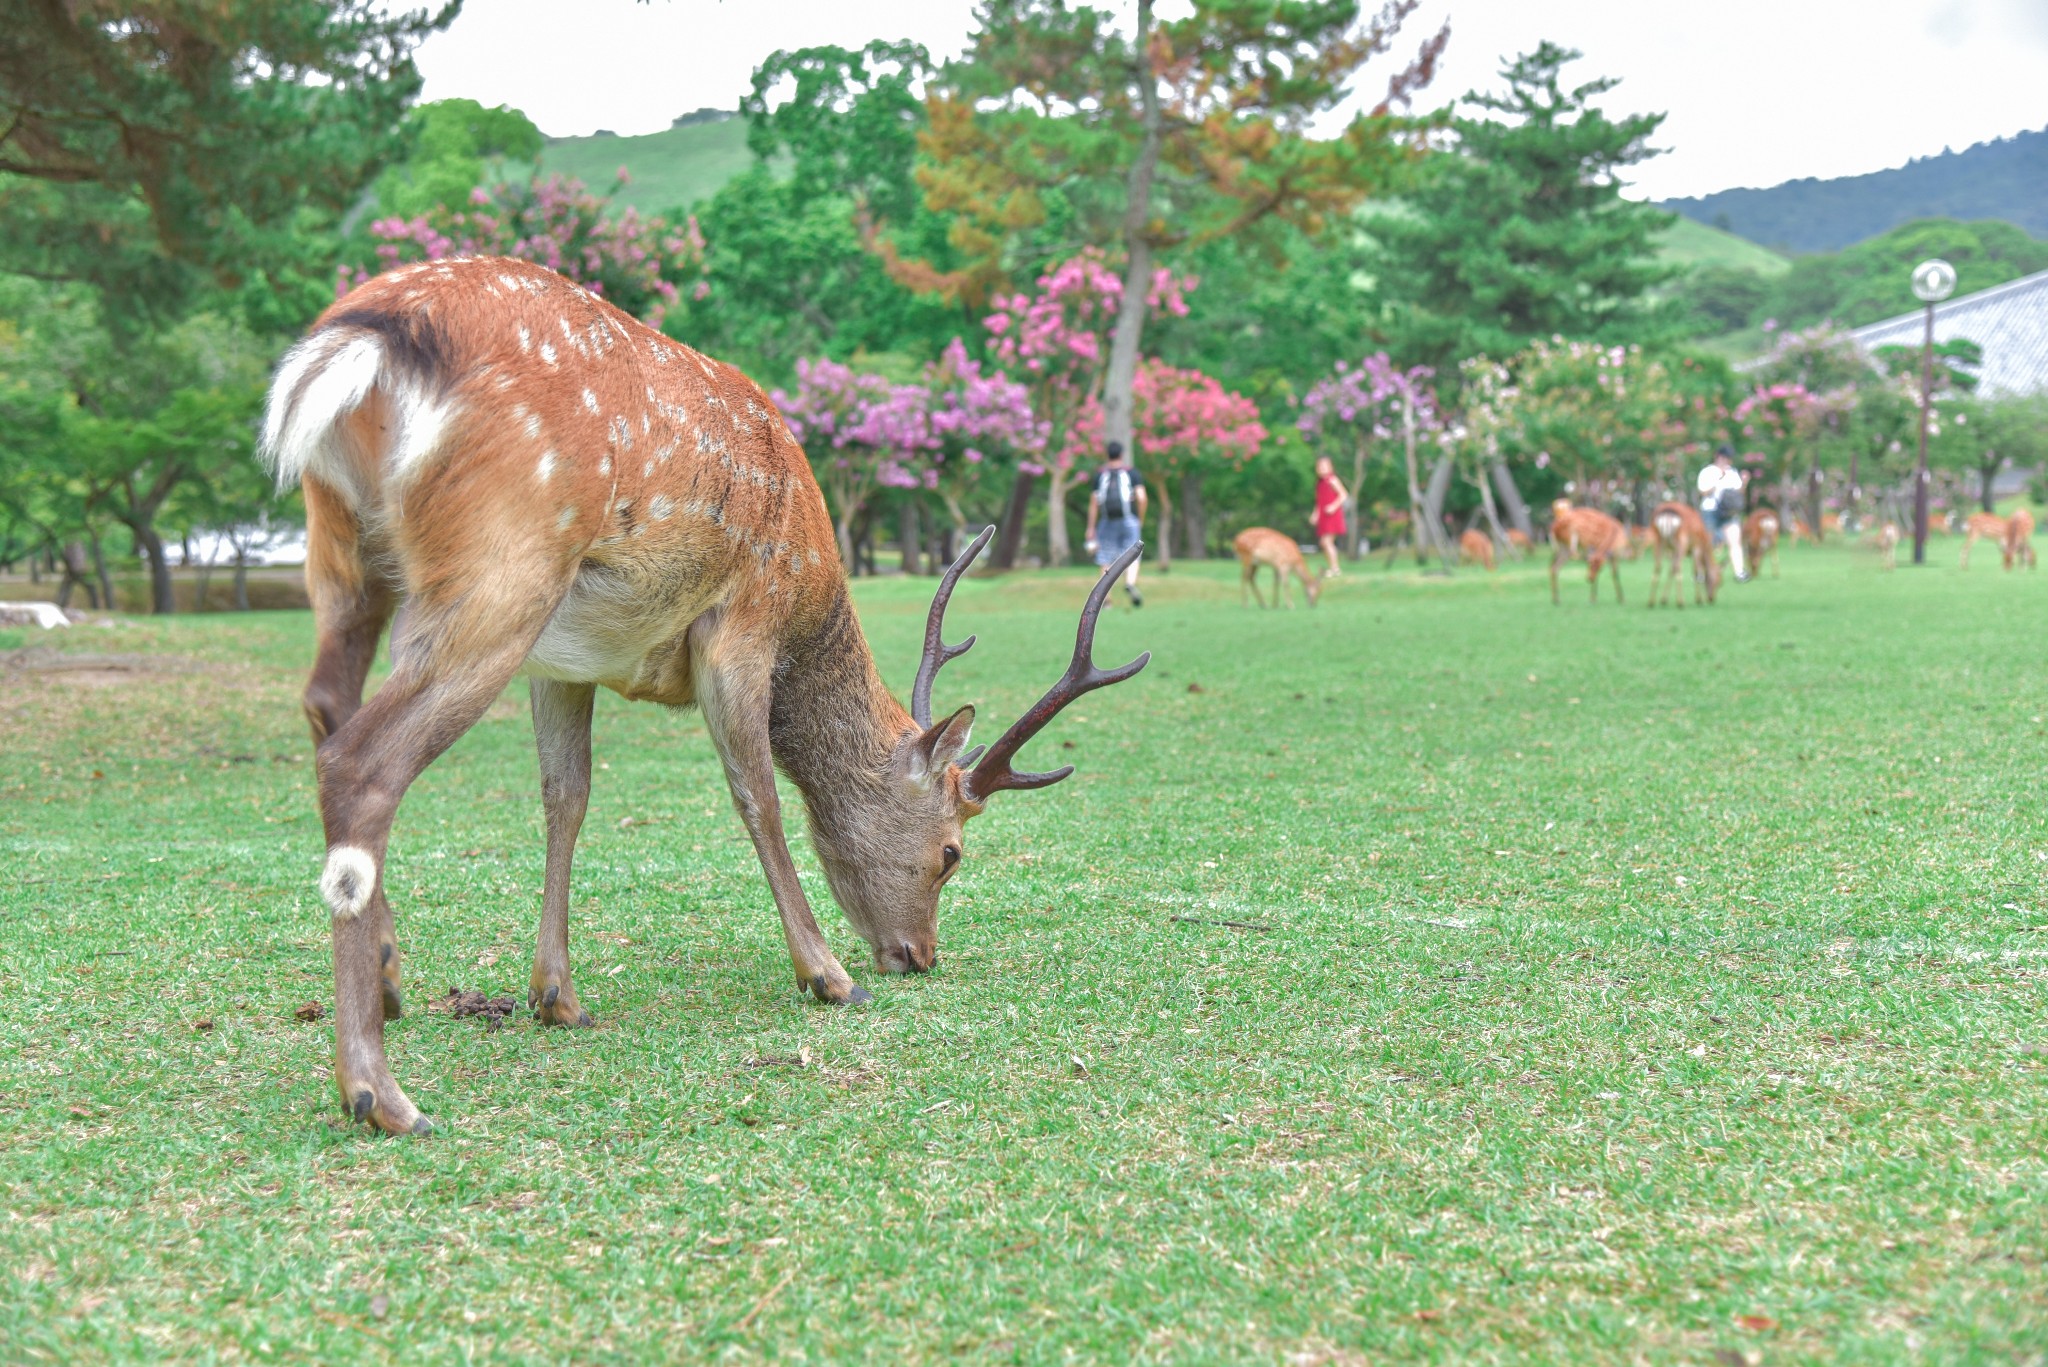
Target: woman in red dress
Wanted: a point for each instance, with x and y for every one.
(1329, 516)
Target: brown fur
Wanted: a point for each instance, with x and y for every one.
(1520, 541)
(1476, 545)
(2018, 542)
(1590, 534)
(1680, 538)
(1981, 527)
(1887, 536)
(553, 488)
(1263, 547)
(1760, 540)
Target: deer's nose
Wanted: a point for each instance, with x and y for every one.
(909, 957)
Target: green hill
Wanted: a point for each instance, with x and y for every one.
(1693, 245)
(672, 169)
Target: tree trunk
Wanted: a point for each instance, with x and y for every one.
(1511, 499)
(205, 577)
(152, 547)
(1984, 494)
(1010, 539)
(1165, 557)
(1130, 317)
(1500, 536)
(99, 568)
(1057, 482)
(1814, 482)
(846, 545)
(1439, 489)
(1194, 519)
(241, 581)
(1357, 483)
(907, 536)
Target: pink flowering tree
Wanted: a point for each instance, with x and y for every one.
(1056, 343)
(861, 434)
(1374, 405)
(981, 424)
(640, 263)
(1184, 423)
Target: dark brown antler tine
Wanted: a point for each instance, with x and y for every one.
(936, 651)
(994, 774)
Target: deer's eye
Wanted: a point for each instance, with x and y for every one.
(951, 856)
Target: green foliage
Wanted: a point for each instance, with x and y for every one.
(2006, 178)
(1521, 232)
(162, 149)
(452, 147)
(1873, 280)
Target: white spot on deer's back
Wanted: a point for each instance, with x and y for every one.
(547, 352)
(546, 467)
(660, 506)
(525, 340)
(590, 400)
(533, 424)
(604, 467)
(568, 517)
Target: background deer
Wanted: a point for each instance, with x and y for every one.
(2017, 542)
(1760, 539)
(1474, 544)
(1519, 541)
(1888, 544)
(556, 490)
(1681, 538)
(1262, 546)
(1980, 526)
(1588, 533)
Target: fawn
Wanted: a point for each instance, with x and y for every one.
(1587, 532)
(1760, 539)
(1262, 546)
(1681, 537)
(1981, 526)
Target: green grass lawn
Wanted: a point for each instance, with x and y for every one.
(1608, 985)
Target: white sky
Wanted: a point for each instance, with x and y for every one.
(1758, 91)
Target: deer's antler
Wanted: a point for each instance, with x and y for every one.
(994, 773)
(936, 651)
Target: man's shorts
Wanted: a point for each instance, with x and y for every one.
(1114, 536)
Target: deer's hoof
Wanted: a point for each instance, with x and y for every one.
(853, 994)
(556, 1004)
(384, 1108)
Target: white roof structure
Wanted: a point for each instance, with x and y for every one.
(2009, 321)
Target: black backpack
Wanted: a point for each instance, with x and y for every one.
(1114, 493)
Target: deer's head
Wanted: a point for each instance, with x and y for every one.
(890, 850)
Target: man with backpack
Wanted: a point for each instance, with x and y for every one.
(1721, 505)
(1116, 512)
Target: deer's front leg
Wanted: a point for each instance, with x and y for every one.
(732, 691)
(561, 732)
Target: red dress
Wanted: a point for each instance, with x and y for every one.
(1329, 507)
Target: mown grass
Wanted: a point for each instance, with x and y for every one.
(1612, 985)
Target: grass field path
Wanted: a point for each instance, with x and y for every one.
(1604, 984)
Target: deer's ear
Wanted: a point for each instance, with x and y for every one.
(932, 751)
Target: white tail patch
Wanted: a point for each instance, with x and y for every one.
(1666, 524)
(350, 878)
(321, 382)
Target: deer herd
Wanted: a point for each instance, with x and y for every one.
(551, 489)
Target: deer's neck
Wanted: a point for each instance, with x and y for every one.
(832, 725)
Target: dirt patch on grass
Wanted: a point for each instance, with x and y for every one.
(460, 1003)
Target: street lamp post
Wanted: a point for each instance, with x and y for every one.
(1933, 281)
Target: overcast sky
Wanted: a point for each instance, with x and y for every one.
(1758, 91)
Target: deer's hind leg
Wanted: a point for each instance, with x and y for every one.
(561, 731)
(352, 603)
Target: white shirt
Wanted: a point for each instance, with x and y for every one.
(1714, 479)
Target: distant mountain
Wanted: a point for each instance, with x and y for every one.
(2006, 179)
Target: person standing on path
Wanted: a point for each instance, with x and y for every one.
(1721, 506)
(1116, 515)
(1331, 498)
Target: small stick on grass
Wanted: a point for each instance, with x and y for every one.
(762, 1304)
(1234, 925)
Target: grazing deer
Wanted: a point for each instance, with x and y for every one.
(1474, 544)
(2018, 541)
(1980, 526)
(1262, 546)
(1587, 532)
(1760, 539)
(1888, 544)
(556, 490)
(1681, 537)
(1519, 541)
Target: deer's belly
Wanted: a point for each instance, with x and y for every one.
(610, 630)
